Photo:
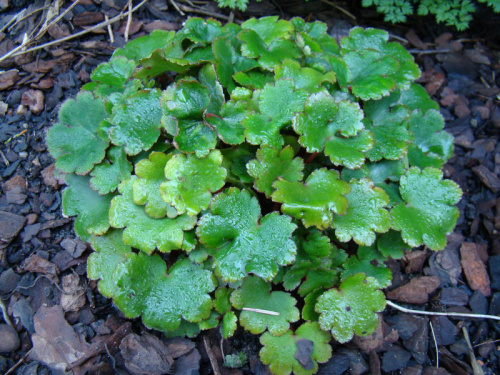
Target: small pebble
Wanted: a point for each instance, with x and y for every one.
(23, 154)
(10, 340)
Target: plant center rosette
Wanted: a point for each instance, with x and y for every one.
(221, 168)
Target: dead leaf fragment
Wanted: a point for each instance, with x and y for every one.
(88, 18)
(416, 291)
(145, 355)
(74, 297)
(474, 269)
(9, 78)
(37, 264)
(55, 343)
(34, 99)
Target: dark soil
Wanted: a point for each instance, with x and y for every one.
(43, 285)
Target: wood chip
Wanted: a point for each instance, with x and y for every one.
(474, 269)
(37, 264)
(489, 179)
(9, 78)
(88, 18)
(416, 291)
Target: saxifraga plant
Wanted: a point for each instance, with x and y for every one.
(222, 168)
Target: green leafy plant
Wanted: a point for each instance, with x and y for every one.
(457, 13)
(256, 175)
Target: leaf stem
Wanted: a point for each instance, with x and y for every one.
(462, 315)
(241, 185)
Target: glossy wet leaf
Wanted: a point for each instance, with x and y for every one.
(230, 60)
(427, 215)
(315, 201)
(273, 164)
(335, 128)
(351, 309)
(391, 245)
(245, 242)
(109, 253)
(370, 268)
(305, 78)
(107, 176)
(146, 188)
(433, 146)
(280, 353)
(228, 124)
(229, 325)
(235, 161)
(366, 213)
(256, 293)
(277, 103)
(184, 104)
(142, 231)
(163, 297)
(191, 181)
(135, 125)
(375, 67)
(115, 72)
(144, 46)
(90, 208)
(74, 141)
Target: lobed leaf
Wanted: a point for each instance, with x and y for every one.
(90, 208)
(135, 125)
(427, 215)
(245, 245)
(163, 299)
(74, 141)
(115, 72)
(351, 309)
(365, 215)
(191, 181)
(107, 176)
(314, 202)
(272, 164)
(146, 188)
(256, 293)
(143, 232)
(283, 355)
(109, 253)
(335, 127)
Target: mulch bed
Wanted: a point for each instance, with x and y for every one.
(61, 322)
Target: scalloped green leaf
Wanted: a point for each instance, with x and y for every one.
(74, 141)
(244, 243)
(358, 264)
(184, 105)
(427, 215)
(143, 232)
(256, 293)
(109, 253)
(305, 78)
(277, 103)
(316, 201)
(230, 61)
(115, 72)
(201, 30)
(272, 164)
(366, 213)
(281, 353)
(391, 245)
(146, 188)
(253, 79)
(433, 146)
(135, 125)
(308, 312)
(335, 127)
(185, 329)
(351, 309)
(191, 181)
(228, 124)
(163, 297)
(221, 302)
(90, 208)
(229, 325)
(144, 46)
(375, 68)
(390, 141)
(269, 28)
(107, 176)
(267, 54)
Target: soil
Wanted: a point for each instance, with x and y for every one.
(55, 320)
